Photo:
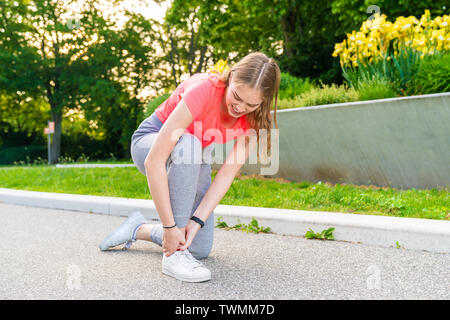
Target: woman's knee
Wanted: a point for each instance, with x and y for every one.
(202, 252)
(139, 151)
(188, 150)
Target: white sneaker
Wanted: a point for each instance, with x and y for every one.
(183, 266)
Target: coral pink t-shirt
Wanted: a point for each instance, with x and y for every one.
(202, 93)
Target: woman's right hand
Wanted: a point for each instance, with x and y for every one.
(173, 238)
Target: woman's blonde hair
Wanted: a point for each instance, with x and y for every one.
(257, 71)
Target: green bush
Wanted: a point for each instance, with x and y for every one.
(376, 88)
(289, 103)
(22, 153)
(155, 103)
(80, 145)
(291, 87)
(433, 76)
(328, 94)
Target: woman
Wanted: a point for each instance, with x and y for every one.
(170, 148)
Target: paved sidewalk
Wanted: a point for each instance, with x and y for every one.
(53, 254)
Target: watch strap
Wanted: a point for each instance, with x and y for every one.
(198, 220)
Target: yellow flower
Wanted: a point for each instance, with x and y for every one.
(220, 66)
(381, 39)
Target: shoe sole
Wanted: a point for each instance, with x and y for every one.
(169, 273)
(104, 246)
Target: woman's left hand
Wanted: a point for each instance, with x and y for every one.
(191, 230)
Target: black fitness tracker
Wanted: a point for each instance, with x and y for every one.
(170, 227)
(198, 220)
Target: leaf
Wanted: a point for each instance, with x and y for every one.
(310, 234)
(254, 222)
(329, 234)
(221, 223)
(325, 234)
(237, 226)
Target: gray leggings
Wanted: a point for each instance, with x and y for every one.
(188, 180)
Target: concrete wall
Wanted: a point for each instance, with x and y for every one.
(398, 142)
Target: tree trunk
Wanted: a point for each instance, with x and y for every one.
(56, 142)
(202, 57)
(291, 28)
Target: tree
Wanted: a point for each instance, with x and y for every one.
(90, 65)
(196, 34)
(298, 34)
(114, 71)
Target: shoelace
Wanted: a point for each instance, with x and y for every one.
(190, 261)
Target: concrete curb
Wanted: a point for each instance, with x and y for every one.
(409, 233)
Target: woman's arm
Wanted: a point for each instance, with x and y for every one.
(155, 162)
(155, 168)
(225, 176)
(219, 187)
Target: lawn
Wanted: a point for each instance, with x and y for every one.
(245, 190)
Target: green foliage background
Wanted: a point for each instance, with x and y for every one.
(50, 71)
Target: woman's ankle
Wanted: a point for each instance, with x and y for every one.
(143, 232)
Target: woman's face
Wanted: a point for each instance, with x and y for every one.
(241, 100)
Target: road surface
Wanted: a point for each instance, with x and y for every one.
(53, 254)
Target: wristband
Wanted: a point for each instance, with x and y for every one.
(170, 227)
(198, 220)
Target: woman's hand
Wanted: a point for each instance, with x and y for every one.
(190, 231)
(172, 239)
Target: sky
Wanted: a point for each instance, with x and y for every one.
(151, 9)
(148, 8)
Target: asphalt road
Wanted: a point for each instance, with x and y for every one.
(53, 254)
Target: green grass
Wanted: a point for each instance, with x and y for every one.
(245, 190)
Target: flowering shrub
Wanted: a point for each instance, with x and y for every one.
(220, 66)
(388, 52)
(380, 39)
